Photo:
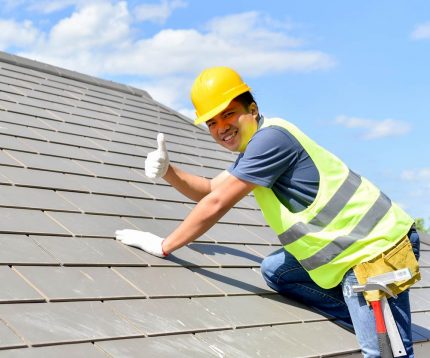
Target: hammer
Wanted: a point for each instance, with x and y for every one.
(390, 342)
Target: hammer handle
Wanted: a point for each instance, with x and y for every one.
(381, 331)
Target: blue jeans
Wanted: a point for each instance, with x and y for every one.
(284, 274)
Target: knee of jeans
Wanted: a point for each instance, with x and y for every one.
(267, 269)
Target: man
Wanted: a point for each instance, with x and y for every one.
(330, 220)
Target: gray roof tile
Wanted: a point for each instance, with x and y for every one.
(29, 221)
(110, 171)
(176, 281)
(85, 251)
(31, 198)
(160, 192)
(421, 349)
(167, 315)
(226, 233)
(229, 255)
(15, 289)
(82, 283)
(184, 256)
(60, 150)
(425, 258)
(44, 323)
(421, 325)
(103, 204)
(263, 250)
(105, 186)
(177, 346)
(234, 281)
(86, 350)
(246, 311)
(8, 338)
(252, 342)
(8, 103)
(87, 225)
(17, 123)
(187, 256)
(65, 138)
(45, 162)
(20, 249)
(161, 210)
(6, 159)
(10, 142)
(265, 233)
(328, 334)
(294, 308)
(425, 277)
(420, 299)
(42, 179)
(118, 159)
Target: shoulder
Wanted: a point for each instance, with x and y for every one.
(272, 138)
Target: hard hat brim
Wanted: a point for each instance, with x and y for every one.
(208, 115)
(213, 112)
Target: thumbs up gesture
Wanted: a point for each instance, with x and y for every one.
(157, 162)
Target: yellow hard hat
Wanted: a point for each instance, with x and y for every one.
(213, 90)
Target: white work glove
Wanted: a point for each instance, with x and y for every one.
(157, 162)
(145, 241)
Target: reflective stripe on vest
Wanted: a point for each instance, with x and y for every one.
(350, 221)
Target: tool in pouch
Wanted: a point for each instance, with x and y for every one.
(390, 341)
(387, 275)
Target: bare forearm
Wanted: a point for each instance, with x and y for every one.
(206, 214)
(192, 186)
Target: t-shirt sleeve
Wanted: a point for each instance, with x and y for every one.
(271, 152)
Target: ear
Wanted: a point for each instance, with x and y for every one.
(253, 109)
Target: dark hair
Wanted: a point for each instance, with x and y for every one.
(246, 99)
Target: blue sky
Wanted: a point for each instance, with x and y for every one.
(353, 75)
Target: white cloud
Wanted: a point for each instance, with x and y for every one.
(94, 26)
(85, 39)
(16, 34)
(373, 129)
(421, 32)
(100, 38)
(105, 39)
(158, 13)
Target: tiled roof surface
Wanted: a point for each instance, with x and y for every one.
(71, 173)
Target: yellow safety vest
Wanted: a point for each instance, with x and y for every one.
(350, 221)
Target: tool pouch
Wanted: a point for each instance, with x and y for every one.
(398, 257)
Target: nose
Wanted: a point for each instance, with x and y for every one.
(224, 127)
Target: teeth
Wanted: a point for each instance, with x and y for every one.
(228, 137)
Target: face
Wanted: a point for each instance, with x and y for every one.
(234, 127)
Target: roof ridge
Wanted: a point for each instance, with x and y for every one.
(74, 75)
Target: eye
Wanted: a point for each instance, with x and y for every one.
(228, 114)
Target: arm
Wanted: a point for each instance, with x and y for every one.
(157, 165)
(208, 211)
(204, 215)
(192, 186)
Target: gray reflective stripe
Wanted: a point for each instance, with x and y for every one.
(363, 228)
(327, 213)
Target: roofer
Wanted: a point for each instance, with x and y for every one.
(334, 224)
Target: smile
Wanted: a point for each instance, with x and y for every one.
(229, 136)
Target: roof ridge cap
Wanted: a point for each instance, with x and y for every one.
(74, 75)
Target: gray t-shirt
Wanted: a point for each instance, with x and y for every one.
(275, 159)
